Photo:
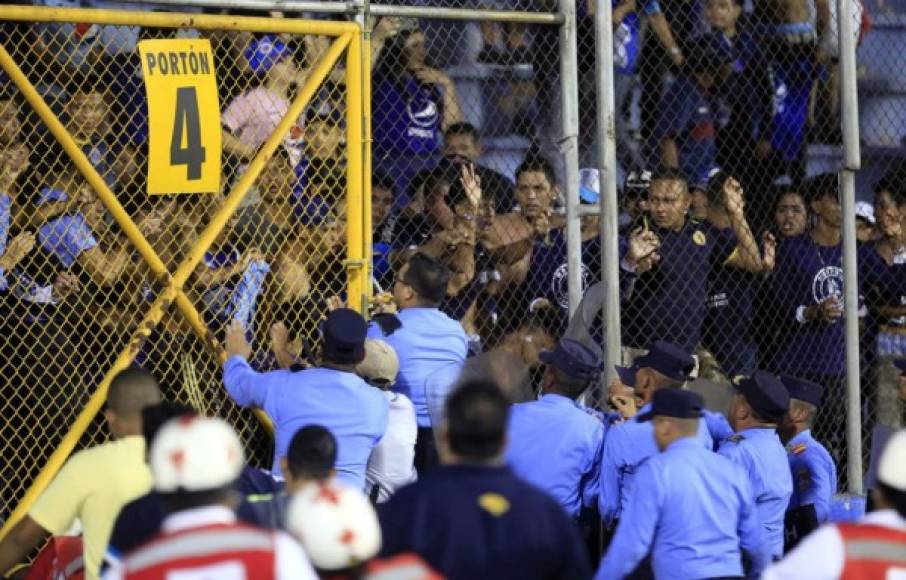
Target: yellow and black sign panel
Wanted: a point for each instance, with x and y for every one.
(183, 116)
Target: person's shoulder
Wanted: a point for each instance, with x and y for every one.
(117, 450)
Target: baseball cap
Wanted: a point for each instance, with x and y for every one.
(677, 403)
(336, 525)
(637, 182)
(764, 393)
(892, 468)
(344, 336)
(865, 211)
(664, 357)
(195, 454)
(803, 390)
(573, 358)
(263, 53)
(589, 185)
(381, 365)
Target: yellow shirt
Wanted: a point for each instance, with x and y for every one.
(93, 486)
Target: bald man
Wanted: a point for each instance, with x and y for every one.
(95, 483)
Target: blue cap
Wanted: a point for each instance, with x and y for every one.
(803, 390)
(263, 53)
(344, 336)
(677, 403)
(765, 394)
(573, 358)
(900, 364)
(664, 357)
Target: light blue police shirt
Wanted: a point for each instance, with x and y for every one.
(693, 511)
(763, 458)
(427, 342)
(5, 218)
(353, 411)
(626, 447)
(65, 236)
(556, 446)
(814, 474)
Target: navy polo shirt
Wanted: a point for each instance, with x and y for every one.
(548, 272)
(668, 302)
(471, 522)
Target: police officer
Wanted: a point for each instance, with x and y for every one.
(668, 300)
(690, 508)
(332, 394)
(426, 341)
(627, 445)
(472, 517)
(760, 403)
(813, 470)
(553, 443)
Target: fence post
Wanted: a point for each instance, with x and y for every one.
(851, 163)
(607, 168)
(569, 145)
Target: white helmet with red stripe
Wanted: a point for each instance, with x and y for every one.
(195, 454)
(336, 525)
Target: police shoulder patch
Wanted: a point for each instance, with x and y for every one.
(736, 437)
(797, 449)
(494, 503)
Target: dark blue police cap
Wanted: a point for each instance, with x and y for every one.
(664, 357)
(678, 403)
(344, 336)
(803, 390)
(765, 394)
(573, 358)
(901, 365)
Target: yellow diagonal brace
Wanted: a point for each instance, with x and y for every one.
(173, 289)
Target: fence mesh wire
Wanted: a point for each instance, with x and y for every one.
(457, 108)
(75, 290)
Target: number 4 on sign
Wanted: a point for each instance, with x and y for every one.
(185, 146)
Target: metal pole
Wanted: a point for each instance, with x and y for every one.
(851, 163)
(569, 145)
(607, 166)
(315, 6)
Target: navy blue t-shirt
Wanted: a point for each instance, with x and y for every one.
(728, 322)
(483, 522)
(547, 275)
(807, 274)
(668, 302)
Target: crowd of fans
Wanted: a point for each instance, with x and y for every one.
(458, 410)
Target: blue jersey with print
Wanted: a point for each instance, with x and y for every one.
(690, 116)
(547, 275)
(814, 474)
(792, 83)
(668, 302)
(807, 274)
(628, 49)
(65, 236)
(762, 456)
(409, 117)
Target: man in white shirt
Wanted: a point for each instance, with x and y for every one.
(874, 547)
(391, 464)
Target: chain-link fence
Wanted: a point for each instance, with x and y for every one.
(98, 272)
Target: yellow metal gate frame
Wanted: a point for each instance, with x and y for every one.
(349, 39)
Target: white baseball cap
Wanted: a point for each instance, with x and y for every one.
(195, 454)
(380, 362)
(335, 524)
(865, 211)
(892, 467)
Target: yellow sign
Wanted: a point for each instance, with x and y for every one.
(183, 116)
